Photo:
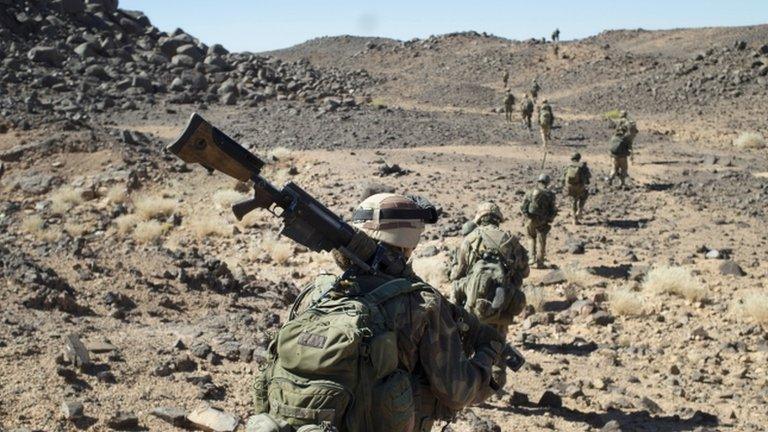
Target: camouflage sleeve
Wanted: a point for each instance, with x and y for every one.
(455, 380)
(526, 203)
(459, 270)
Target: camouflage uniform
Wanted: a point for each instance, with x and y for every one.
(509, 106)
(526, 110)
(515, 257)
(538, 225)
(577, 188)
(505, 78)
(627, 124)
(621, 149)
(546, 120)
(556, 35)
(535, 88)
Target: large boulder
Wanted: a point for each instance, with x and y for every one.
(87, 50)
(47, 55)
(192, 51)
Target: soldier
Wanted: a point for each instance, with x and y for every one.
(628, 124)
(526, 110)
(509, 105)
(556, 35)
(490, 259)
(539, 207)
(546, 120)
(621, 149)
(415, 369)
(505, 78)
(575, 183)
(32, 102)
(535, 88)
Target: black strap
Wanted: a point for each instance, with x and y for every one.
(412, 214)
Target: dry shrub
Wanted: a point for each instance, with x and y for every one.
(571, 293)
(65, 199)
(674, 280)
(534, 296)
(148, 231)
(117, 194)
(75, 230)
(432, 270)
(206, 226)
(750, 140)
(126, 223)
(577, 276)
(150, 206)
(226, 197)
(279, 251)
(623, 301)
(33, 224)
(755, 307)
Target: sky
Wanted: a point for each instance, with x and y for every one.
(256, 25)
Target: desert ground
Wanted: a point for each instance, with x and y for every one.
(131, 296)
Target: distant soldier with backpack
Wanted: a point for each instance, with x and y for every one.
(575, 183)
(509, 105)
(621, 148)
(540, 209)
(556, 35)
(375, 351)
(505, 78)
(628, 124)
(526, 110)
(546, 120)
(488, 274)
(535, 89)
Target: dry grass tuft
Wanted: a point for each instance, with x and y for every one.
(126, 223)
(674, 280)
(149, 231)
(207, 226)
(750, 140)
(577, 276)
(623, 301)
(755, 307)
(117, 194)
(65, 199)
(279, 251)
(75, 230)
(535, 297)
(149, 206)
(33, 224)
(571, 293)
(226, 197)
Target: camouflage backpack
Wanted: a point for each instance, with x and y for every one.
(576, 175)
(541, 205)
(335, 360)
(527, 106)
(620, 145)
(546, 117)
(490, 288)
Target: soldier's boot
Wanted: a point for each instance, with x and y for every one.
(532, 260)
(575, 211)
(542, 251)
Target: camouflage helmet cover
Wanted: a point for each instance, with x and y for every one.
(576, 157)
(393, 219)
(622, 113)
(544, 178)
(488, 208)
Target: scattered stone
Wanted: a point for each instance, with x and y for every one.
(649, 405)
(730, 268)
(175, 416)
(212, 419)
(518, 399)
(549, 399)
(554, 277)
(100, 347)
(76, 352)
(123, 420)
(611, 426)
(72, 410)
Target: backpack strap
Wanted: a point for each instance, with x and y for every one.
(392, 289)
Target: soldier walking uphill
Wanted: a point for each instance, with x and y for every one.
(505, 78)
(621, 150)
(509, 105)
(415, 369)
(540, 209)
(576, 183)
(526, 110)
(488, 274)
(546, 120)
(535, 89)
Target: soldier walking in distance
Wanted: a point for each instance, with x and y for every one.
(556, 35)
(509, 105)
(540, 209)
(415, 369)
(535, 89)
(628, 124)
(576, 183)
(488, 274)
(546, 120)
(621, 149)
(505, 78)
(526, 110)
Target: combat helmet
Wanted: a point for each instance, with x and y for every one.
(576, 157)
(544, 179)
(488, 208)
(623, 114)
(394, 219)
